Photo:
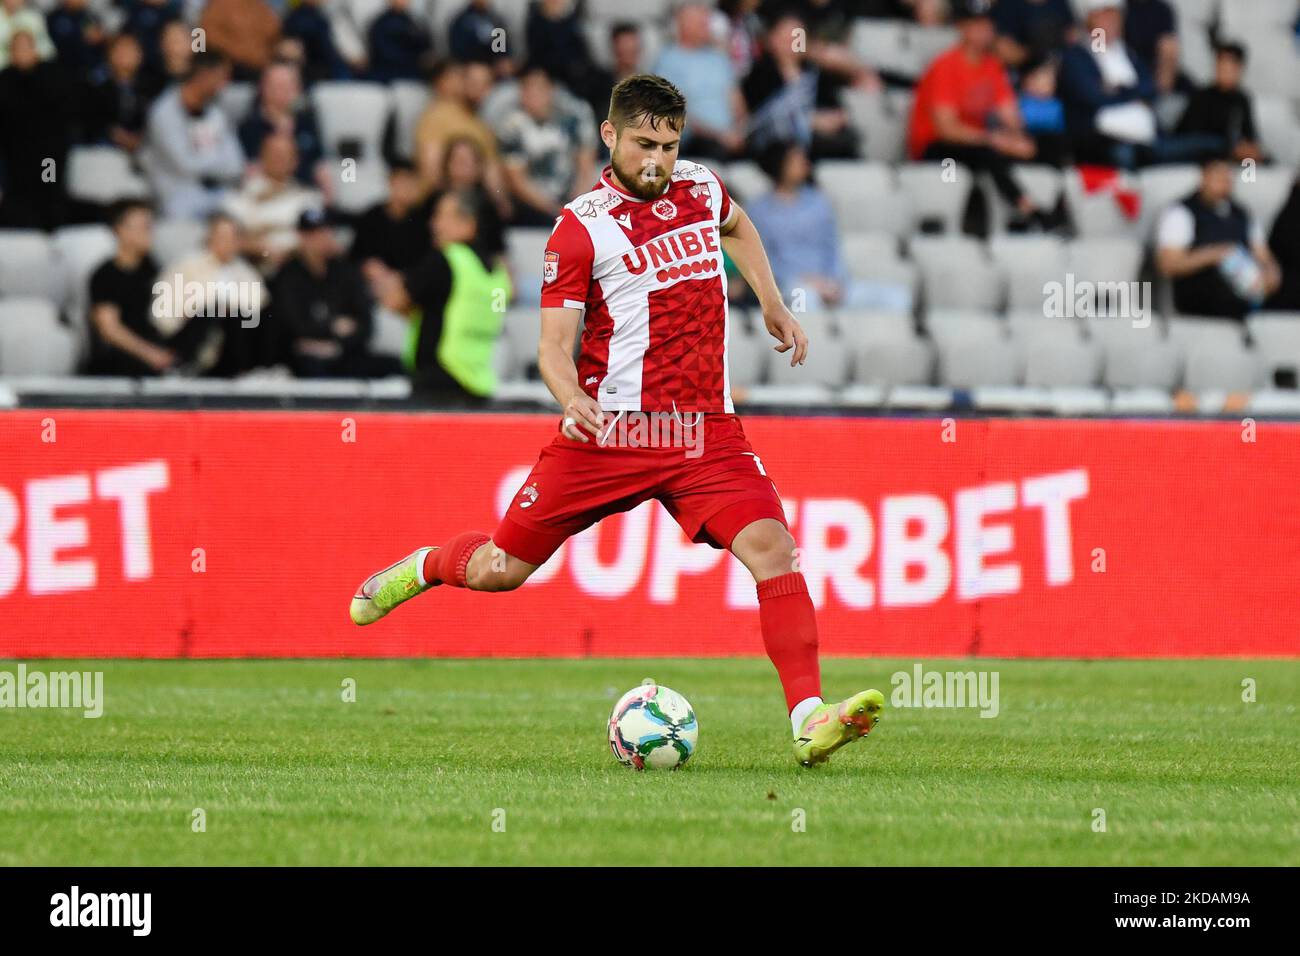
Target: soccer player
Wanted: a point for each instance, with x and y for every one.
(642, 255)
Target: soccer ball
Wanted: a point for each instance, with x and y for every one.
(653, 728)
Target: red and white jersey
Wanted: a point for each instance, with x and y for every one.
(649, 274)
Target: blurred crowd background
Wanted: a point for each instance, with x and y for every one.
(363, 173)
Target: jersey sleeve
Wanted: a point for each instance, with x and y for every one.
(566, 265)
(726, 208)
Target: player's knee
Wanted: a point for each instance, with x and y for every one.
(769, 549)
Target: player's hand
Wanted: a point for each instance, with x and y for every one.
(582, 412)
(783, 327)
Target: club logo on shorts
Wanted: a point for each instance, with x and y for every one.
(551, 267)
(527, 496)
(664, 209)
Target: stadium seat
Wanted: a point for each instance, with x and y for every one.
(389, 335)
(746, 358)
(810, 394)
(1029, 262)
(352, 117)
(81, 250)
(32, 340)
(1136, 357)
(1204, 332)
(865, 196)
(956, 273)
(507, 368)
(827, 362)
(28, 266)
(1056, 355)
(927, 42)
(1265, 196)
(936, 193)
(1012, 399)
(1279, 130)
(521, 327)
(1141, 401)
(1280, 402)
(364, 12)
(365, 186)
(882, 131)
(1237, 370)
(1195, 15)
(1273, 64)
(886, 349)
(409, 100)
(1277, 340)
(1096, 215)
(102, 175)
(882, 44)
(1161, 187)
(1070, 402)
(174, 238)
(1104, 260)
(979, 363)
(525, 250)
(1196, 50)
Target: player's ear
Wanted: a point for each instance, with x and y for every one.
(608, 135)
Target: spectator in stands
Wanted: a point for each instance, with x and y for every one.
(797, 223)
(323, 310)
(1151, 29)
(17, 17)
(465, 169)
(547, 149)
(472, 35)
(790, 98)
(927, 13)
(1284, 242)
(1223, 111)
(965, 110)
(705, 76)
(309, 25)
(398, 42)
(175, 55)
(1043, 112)
(123, 338)
(1107, 92)
(1033, 29)
(281, 108)
(625, 55)
(246, 31)
(460, 292)
(118, 96)
(743, 29)
(451, 114)
(145, 20)
(1212, 250)
(270, 202)
(191, 153)
(395, 232)
(78, 37)
(37, 112)
(233, 299)
(555, 42)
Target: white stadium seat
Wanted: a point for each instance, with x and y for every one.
(28, 266)
(1279, 129)
(936, 192)
(362, 186)
(1266, 194)
(409, 100)
(956, 273)
(865, 196)
(1136, 356)
(32, 340)
(352, 115)
(102, 175)
(1277, 339)
(1162, 186)
(1029, 262)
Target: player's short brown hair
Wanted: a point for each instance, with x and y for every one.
(645, 94)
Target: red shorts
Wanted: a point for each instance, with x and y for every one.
(711, 482)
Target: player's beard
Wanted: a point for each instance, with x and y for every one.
(633, 177)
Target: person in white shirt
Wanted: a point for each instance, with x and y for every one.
(269, 203)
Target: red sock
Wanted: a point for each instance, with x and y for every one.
(448, 563)
(789, 625)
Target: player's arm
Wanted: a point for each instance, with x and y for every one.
(740, 240)
(555, 361)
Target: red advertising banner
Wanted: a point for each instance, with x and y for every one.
(233, 534)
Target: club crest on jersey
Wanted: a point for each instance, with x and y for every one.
(551, 267)
(527, 496)
(664, 209)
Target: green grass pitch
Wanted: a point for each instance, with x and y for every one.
(418, 769)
